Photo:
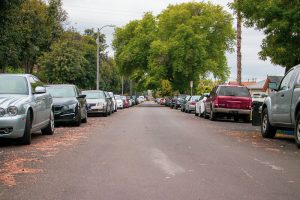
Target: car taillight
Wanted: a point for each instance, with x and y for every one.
(193, 103)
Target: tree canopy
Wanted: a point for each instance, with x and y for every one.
(280, 21)
(180, 44)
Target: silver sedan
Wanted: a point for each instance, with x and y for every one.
(25, 107)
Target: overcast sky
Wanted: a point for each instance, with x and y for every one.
(85, 14)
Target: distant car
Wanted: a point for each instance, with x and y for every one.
(141, 99)
(69, 104)
(25, 107)
(96, 102)
(119, 101)
(259, 97)
(115, 107)
(183, 103)
(200, 105)
(178, 101)
(191, 104)
(229, 101)
(125, 102)
(110, 102)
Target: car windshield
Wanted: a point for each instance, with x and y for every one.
(234, 91)
(13, 85)
(94, 95)
(194, 98)
(117, 97)
(61, 91)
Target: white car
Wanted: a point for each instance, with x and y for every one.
(141, 99)
(119, 101)
(114, 101)
(200, 105)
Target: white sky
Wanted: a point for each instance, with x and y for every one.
(85, 14)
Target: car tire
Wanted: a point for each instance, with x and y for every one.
(267, 130)
(49, 130)
(26, 138)
(78, 121)
(196, 114)
(85, 118)
(212, 115)
(297, 130)
(205, 115)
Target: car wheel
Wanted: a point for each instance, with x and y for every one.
(267, 130)
(78, 121)
(212, 115)
(26, 138)
(297, 130)
(49, 130)
(196, 114)
(86, 117)
(205, 114)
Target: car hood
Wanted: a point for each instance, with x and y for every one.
(65, 101)
(95, 101)
(12, 100)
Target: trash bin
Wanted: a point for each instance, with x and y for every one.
(256, 113)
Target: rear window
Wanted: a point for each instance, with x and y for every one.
(234, 91)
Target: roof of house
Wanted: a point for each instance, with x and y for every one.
(258, 85)
(243, 83)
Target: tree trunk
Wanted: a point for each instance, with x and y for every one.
(239, 45)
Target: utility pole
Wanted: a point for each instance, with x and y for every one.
(239, 45)
(98, 47)
(130, 87)
(98, 54)
(122, 86)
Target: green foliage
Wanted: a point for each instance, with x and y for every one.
(181, 43)
(166, 88)
(280, 21)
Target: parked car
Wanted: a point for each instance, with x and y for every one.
(200, 105)
(183, 103)
(229, 101)
(119, 101)
(96, 102)
(25, 107)
(125, 102)
(168, 101)
(115, 107)
(69, 104)
(282, 108)
(259, 97)
(110, 102)
(179, 101)
(191, 104)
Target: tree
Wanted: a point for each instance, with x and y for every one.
(239, 43)
(280, 21)
(181, 43)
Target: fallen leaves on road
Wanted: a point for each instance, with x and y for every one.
(17, 158)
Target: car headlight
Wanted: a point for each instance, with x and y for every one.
(2, 112)
(12, 111)
(70, 107)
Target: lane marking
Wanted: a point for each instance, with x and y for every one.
(164, 163)
(266, 163)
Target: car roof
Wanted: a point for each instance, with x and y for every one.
(92, 91)
(21, 75)
(56, 85)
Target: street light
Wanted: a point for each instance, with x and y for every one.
(98, 59)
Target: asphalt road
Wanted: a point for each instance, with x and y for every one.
(155, 153)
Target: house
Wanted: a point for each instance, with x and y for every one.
(263, 86)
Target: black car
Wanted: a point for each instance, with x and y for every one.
(69, 104)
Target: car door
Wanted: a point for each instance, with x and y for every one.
(283, 97)
(82, 103)
(39, 104)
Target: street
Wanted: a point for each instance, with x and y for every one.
(155, 153)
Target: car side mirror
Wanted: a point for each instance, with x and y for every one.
(81, 96)
(273, 86)
(40, 90)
